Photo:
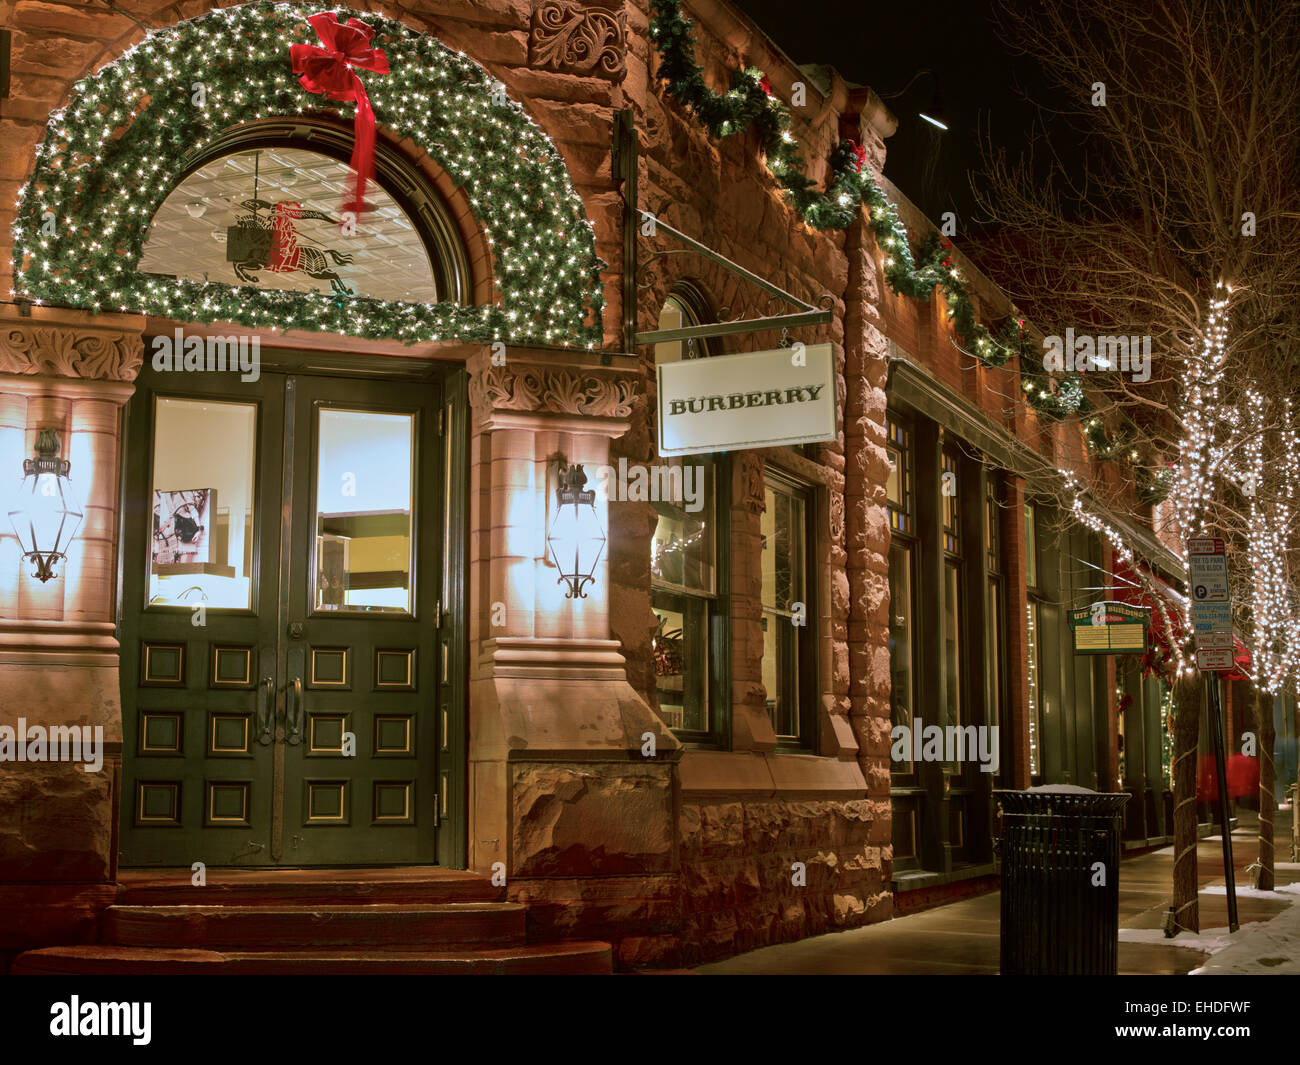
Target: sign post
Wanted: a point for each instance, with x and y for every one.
(1207, 570)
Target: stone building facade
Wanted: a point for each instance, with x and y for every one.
(728, 836)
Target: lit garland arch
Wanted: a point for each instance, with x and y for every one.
(112, 155)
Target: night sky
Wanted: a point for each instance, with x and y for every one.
(885, 45)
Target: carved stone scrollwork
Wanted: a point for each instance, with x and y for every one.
(837, 518)
(579, 40)
(530, 388)
(57, 351)
(749, 487)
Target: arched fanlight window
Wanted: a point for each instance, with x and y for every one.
(261, 207)
(685, 306)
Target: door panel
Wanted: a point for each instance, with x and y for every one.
(362, 745)
(198, 663)
(280, 676)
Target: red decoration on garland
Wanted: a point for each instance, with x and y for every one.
(329, 71)
(859, 154)
(765, 85)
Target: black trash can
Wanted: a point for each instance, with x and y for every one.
(1057, 918)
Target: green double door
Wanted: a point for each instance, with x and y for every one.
(284, 669)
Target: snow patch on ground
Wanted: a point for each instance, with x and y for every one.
(1260, 948)
(1269, 948)
(1209, 941)
(1245, 891)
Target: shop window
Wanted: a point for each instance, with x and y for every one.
(902, 641)
(204, 463)
(995, 673)
(363, 524)
(952, 708)
(953, 591)
(903, 548)
(687, 590)
(788, 614)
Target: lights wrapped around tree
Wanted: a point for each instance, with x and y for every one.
(576, 539)
(48, 508)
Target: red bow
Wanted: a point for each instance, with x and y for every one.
(765, 85)
(859, 154)
(329, 71)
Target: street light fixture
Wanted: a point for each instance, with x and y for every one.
(576, 538)
(49, 510)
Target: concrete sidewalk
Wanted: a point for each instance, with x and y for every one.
(963, 937)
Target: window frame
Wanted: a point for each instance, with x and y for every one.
(805, 674)
(716, 641)
(997, 694)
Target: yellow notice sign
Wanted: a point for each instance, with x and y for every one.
(1110, 629)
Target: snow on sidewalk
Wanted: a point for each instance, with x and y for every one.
(1260, 948)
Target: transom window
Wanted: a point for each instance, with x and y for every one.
(268, 215)
(948, 488)
(898, 488)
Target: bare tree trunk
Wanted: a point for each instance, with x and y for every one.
(1187, 725)
(1264, 712)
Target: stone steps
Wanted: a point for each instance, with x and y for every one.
(308, 887)
(324, 921)
(381, 926)
(554, 959)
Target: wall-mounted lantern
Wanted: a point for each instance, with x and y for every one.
(48, 511)
(576, 538)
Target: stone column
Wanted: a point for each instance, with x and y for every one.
(563, 790)
(58, 649)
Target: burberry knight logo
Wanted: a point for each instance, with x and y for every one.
(741, 400)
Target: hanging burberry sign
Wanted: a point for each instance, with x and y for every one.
(759, 399)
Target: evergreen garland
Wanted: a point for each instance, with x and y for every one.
(749, 102)
(113, 154)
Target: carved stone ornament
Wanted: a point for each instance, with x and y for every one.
(530, 388)
(750, 489)
(579, 40)
(57, 351)
(837, 518)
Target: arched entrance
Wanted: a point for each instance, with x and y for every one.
(292, 526)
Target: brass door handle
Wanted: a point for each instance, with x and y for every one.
(266, 711)
(296, 708)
